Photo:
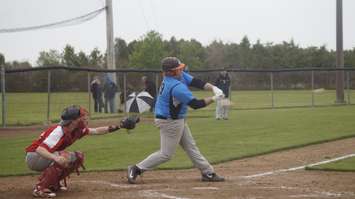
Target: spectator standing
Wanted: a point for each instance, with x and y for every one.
(96, 90)
(110, 89)
(223, 83)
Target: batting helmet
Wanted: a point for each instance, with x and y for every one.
(171, 63)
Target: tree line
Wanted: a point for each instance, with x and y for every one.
(146, 53)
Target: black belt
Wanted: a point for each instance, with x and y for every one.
(161, 117)
(165, 118)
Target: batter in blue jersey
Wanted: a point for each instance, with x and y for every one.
(173, 100)
(174, 97)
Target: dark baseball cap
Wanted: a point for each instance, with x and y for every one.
(171, 63)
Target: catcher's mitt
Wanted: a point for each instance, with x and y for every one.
(129, 122)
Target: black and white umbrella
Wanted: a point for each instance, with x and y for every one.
(139, 103)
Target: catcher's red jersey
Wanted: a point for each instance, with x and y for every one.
(54, 139)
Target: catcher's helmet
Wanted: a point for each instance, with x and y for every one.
(171, 63)
(71, 113)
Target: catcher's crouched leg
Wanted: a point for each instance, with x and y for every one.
(49, 181)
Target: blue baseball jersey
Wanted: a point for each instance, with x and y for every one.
(174, 95)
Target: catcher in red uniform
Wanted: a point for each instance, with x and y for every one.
(46, 154)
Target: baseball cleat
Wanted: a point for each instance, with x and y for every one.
(63, 188)
(45, 193)
(212, 177)
(132, 173)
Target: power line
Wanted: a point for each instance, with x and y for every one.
(143, 14)
(68, 22)
(154, 16)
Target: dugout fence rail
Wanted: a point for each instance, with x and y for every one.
(38, 94)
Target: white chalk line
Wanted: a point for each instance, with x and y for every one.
(315, 194)
(280, 187)
(155, 194)
(322, 194)
(297, 168)
(205, 188)
(152, 193)
(146, 193)
(106, 183)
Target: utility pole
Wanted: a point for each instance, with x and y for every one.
(110, 44)
(109, 37)
(340, 54)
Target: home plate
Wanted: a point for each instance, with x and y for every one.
(205, 188)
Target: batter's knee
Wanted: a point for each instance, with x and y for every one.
(166, 156)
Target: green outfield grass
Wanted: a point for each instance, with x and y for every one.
(282, 98)
(341, 165)
(31, 108)
(246, 133)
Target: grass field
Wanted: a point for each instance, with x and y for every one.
(31, 108)
(246, 133)
(341, 165)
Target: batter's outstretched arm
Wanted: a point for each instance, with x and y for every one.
(200, 103)
(197, 83)
(196, 103)
(208, 87)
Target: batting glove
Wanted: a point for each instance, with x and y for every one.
(215, 97)
(217, 91)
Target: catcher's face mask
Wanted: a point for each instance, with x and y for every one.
(83, 119)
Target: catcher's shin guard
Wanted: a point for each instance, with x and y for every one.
(51, 177)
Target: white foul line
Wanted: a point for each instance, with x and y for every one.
(106, 183)
(155, 194)
(298, 168)
(147, 193)
(205, 188)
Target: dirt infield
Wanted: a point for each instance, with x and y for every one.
(242, 181)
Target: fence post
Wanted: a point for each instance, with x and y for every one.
(3, 96)
(272, 88)
(312, 87)
(48, 96)
(124, 92)
(230, 86)
(89, 94)
(348, 85)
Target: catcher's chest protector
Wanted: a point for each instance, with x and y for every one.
(51, 177)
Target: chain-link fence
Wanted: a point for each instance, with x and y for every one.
(38, 95)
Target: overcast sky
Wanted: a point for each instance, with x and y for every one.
(307, 22)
